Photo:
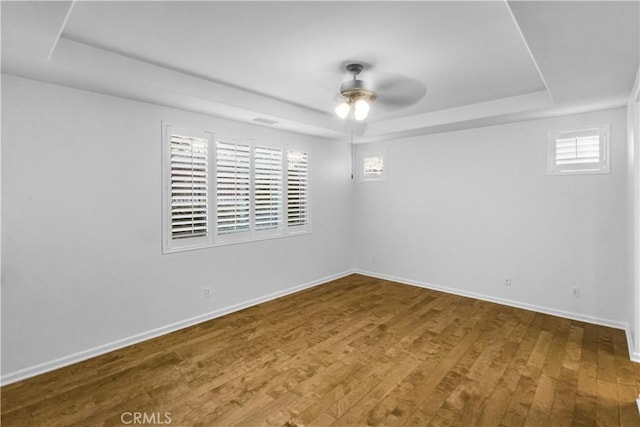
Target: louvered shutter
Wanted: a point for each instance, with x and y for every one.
(576, 150)
(579, 151)
(233, 175)
(267, 188)
(297, 188)
(373, 165)
(189, 186)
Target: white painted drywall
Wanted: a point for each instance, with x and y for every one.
(464, 209)
(82, 262)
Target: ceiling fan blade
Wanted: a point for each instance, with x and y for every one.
(398, 91)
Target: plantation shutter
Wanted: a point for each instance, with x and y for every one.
(267, 188)
(189, 191)
(578, 149)
(297, 188)
(233, 187)
(373, 166)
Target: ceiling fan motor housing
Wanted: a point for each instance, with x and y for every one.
(356, 89)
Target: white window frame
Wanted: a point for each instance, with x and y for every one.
(601, 167)
(213, 239)
(373, 178)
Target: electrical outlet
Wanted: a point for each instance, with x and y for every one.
(575, 292)
(507, 280)
(207, 292)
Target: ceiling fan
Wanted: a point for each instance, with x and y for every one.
(393, 91)
(356, 95)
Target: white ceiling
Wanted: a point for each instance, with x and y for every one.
(481, 62)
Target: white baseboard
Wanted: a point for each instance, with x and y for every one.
(634, 356)
(61, 362)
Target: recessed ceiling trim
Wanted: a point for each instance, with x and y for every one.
(64, 23)
(496, 107)
(526, 45)
(86, 67)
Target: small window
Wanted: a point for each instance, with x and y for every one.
(373, 167)
(578, 151)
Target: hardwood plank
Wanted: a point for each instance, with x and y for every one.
(495, 407)
(540, 409)
(564, 401)
(585, 406)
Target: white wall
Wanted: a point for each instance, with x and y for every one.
(462, 210)
(82, 265)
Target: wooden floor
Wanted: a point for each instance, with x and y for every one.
(356, 351)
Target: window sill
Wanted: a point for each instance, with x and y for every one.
(167, 251)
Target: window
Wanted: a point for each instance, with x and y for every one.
(249, 190)
(230, 191)
(373, 167)
(578, 151)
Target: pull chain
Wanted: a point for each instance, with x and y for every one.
(352, 159)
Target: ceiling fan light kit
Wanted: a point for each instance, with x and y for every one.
(357, 96)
